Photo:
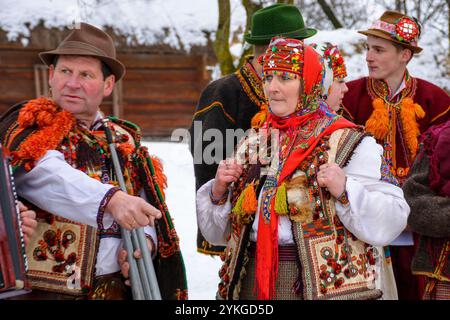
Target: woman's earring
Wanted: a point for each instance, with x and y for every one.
(50, 94)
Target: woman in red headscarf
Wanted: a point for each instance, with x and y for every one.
(302, 203)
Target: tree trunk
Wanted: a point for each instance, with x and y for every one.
(221, 44)
(286, 1)
(400, 6)
(330, 14)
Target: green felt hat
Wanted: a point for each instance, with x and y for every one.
(277, 20)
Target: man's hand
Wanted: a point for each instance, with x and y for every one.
(29, 223)
(132, 212)
(123, 263)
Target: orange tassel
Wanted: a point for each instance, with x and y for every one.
(378, 123)
(260, 118)
(246, 204)
(410, 113)
(250, 203)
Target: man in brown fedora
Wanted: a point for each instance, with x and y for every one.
(64, 170)
(231, 102)
(396, 108)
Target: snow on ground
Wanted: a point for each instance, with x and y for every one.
(202, 270)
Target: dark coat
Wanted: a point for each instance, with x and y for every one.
(430, 218)
(227, 103)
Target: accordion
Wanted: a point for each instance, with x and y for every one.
(13, 260)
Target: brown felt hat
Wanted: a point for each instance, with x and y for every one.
(396, 27)
(88, 40)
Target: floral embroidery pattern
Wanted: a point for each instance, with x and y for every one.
(53, 246)
(341, 265)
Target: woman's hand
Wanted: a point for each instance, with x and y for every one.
(332, 177)
(228, 171)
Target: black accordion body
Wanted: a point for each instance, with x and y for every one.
(13, 260)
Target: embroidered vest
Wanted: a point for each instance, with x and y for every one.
(394, 123)
(334, 263)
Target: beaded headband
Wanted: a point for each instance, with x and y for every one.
(284, 55)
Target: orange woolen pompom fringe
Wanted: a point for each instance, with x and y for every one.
(411, 111)
(161, 178)
(378, 123)
(38, 111)
(126, 149)
(53, 126)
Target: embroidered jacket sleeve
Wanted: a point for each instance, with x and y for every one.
(212, 220)
(377, 211)
(430, 213)
(434, 101)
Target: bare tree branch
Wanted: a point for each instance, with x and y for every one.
(330, 14)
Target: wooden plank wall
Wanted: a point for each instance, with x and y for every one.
(159, 91)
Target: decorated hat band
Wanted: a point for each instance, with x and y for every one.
(404, 30)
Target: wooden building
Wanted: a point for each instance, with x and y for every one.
(159, 91)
